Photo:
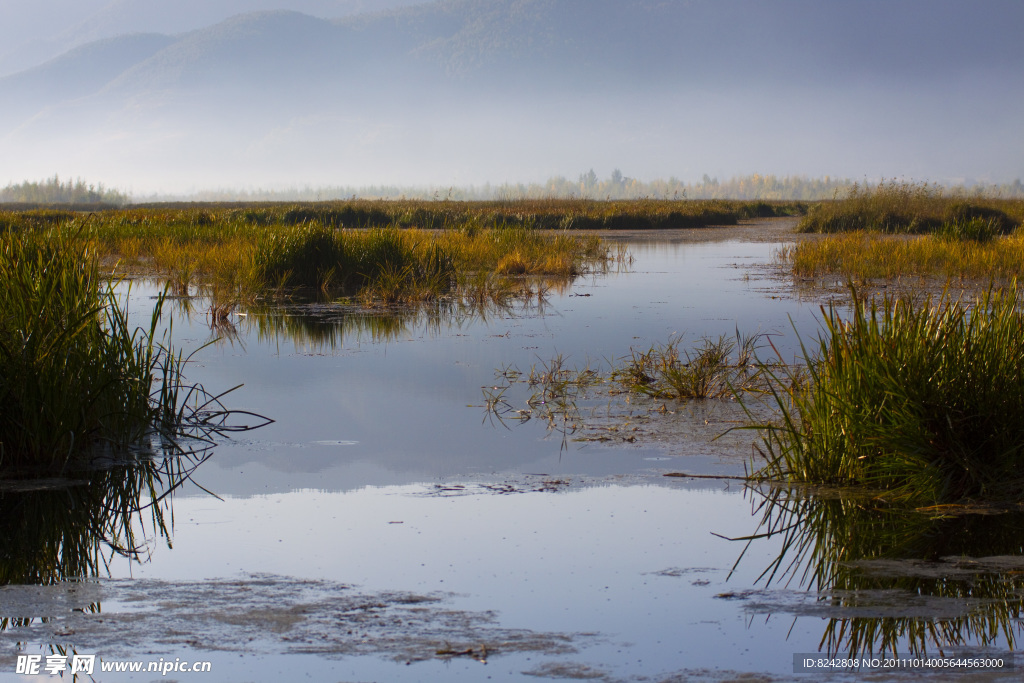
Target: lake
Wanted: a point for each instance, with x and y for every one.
(387, 527)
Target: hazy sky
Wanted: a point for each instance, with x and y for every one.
(474, 91)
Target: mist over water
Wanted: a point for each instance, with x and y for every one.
(276, 93)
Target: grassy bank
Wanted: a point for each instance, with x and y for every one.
(921, 400)
(867, 255)
(903, 229)
(382, 252)
(546, 214)
(75, 379)
(911, 209)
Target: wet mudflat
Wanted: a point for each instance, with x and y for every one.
(387, 527)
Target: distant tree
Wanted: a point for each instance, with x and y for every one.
(55, 191)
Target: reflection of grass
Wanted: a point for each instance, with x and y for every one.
(327, 326)
(70, 531)
(925, 606)
(923, 401)
(320, 333)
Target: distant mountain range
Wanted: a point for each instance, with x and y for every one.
(587, 65)
(538, 44)
(34, 32)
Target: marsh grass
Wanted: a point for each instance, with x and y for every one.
(909, 208)
(919, 400)
(75, 378)
(540, 213)
(240, 261)
(872, 235)
(946, 254)
(392, 251)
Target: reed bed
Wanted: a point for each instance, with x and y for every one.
(905, 229)
(920, 400)
(571, 214)
(64, 531)
(383, 251)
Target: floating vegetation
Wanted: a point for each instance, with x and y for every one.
(922, 401)
(567, 398)
(701, 373)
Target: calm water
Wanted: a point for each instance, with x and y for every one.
(382, 473)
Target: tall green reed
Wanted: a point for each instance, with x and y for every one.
(923, 401)
(75, 377)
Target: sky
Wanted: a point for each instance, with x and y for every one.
(153, 97)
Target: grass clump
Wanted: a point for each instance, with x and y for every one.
(241, 257)
(75, 378)
(922, 400)
(704, 372)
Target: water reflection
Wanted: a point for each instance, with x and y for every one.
(330, 325)
(52, 531)
(893, 580)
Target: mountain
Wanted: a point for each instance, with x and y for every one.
(43, 29)
(83, 70)
(459, 85)
(547, 44)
